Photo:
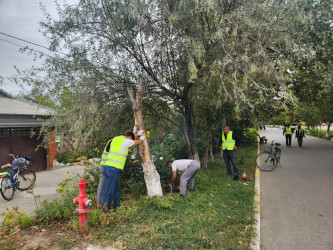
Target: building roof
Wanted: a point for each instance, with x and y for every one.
(21, 113)
(12, 106)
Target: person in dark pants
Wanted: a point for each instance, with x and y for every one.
(288, 131)
(187, 170)
(229, 143)
(299, 135)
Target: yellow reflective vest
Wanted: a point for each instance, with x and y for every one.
(228, 143)
(105, 153)
(116, 158)
(288, 131)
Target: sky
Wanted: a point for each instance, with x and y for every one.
(20, 18)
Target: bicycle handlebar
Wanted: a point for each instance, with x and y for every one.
(12, 156)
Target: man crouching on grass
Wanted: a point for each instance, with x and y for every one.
(187, 170)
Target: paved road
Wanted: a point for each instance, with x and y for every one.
(46, 185)
(297, 198)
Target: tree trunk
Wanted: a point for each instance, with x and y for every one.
(211, 152)
(190, 132)
(328, 130)
(207, 146)
(152, 177)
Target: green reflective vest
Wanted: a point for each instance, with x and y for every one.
(302, 133)
(116, 158)
(228, 143)
(288, 131)
(105, 153)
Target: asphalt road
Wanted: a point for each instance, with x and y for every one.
(46, 185)
(297, 197)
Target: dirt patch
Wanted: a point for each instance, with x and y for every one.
(59, 236)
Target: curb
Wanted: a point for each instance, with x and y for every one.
(256, 241)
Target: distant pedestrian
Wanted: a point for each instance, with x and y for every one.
(288, 132)
(187, 170)
(264, 127)
(229, 143)
(299, 135)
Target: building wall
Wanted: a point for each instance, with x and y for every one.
(52, 149)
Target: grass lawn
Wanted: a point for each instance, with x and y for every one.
(217, 215)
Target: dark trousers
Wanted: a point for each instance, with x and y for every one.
(230, 156)
(288, 140)
(112, 187)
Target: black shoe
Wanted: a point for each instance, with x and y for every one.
(236, 177)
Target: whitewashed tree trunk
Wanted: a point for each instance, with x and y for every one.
(152, 177)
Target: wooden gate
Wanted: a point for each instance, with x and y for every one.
(20, 142)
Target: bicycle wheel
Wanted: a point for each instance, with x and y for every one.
(7, 191)
(278, 156)
(266, 161)
(26, 179)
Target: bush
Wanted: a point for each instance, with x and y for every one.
(89, 150)
(94, 217)
(26, 220)
(251, 135)
(55, 210)
(14, 219)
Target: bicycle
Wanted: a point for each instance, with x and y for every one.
(268, 160)
(19, 177)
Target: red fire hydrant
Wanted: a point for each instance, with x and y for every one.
(84, 204)
(244, 176)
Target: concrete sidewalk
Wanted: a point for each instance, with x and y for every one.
(46, 185)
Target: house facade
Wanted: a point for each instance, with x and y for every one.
(20, 123)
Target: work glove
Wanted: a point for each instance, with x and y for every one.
(141, 134)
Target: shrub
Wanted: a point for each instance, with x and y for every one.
(25, 220)
(57, 209)
(11, 217)
(251, 135)
(94, 217)
(14, 219)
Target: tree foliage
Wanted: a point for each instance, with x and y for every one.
(202, 61)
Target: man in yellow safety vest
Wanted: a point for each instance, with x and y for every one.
(288, 131)
(112, 162)
(229, 143)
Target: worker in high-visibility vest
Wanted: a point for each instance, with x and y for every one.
(229, 143)
(288, 131)
(113, 161)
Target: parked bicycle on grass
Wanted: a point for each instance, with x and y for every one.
(268, 160)
(18, 177)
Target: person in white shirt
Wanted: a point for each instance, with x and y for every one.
(187, 170)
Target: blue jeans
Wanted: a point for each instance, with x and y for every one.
(112, 187)
(230, 155)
